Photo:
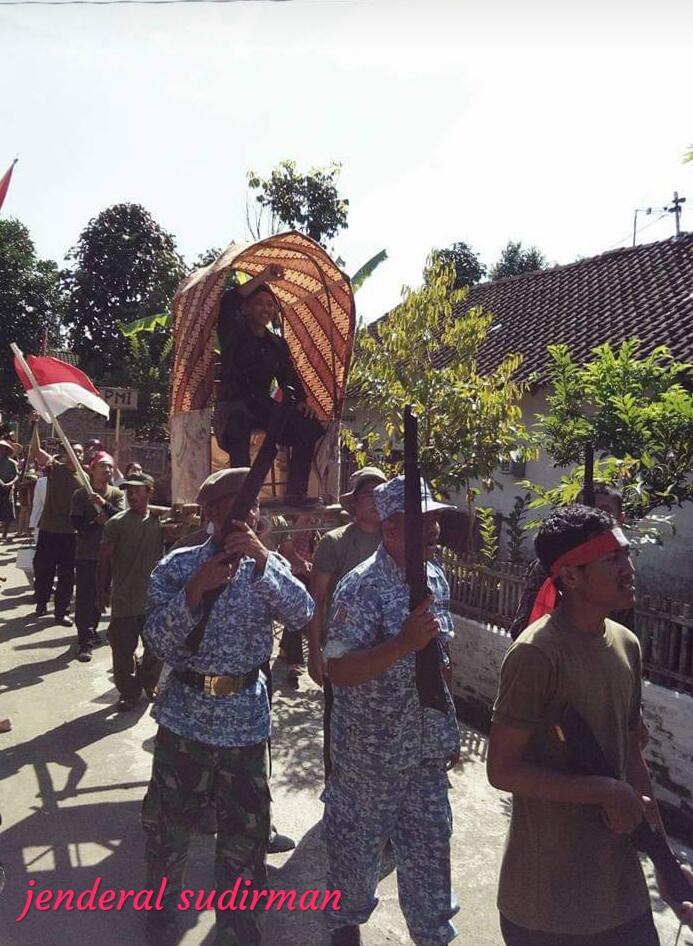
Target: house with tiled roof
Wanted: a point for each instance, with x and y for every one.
(644, 292)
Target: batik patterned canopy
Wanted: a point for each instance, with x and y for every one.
(317, 307)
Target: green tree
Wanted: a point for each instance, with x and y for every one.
(514, 260)
(469, 270)
(294, 200)
(636, 414)
(468, 422)
(126, 267)
(30, 302)
(149, 367)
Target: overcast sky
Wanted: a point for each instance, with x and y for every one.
(546, 122)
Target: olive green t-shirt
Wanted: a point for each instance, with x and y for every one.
(137, 544)
(343, 549)
(62, 483)
(89, 537)
(563, 870)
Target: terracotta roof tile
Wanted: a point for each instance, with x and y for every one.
(644, 291)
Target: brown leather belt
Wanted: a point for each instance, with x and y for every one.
(213, 685)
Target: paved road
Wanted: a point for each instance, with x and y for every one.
(74, 773)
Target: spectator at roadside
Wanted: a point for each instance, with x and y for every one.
(55, 548)
(8, 478)
(131, 545)
(89, 513)
(25, 495)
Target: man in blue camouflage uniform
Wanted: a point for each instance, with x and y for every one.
(389, 755)
(213, 711)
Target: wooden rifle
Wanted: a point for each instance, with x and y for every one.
(429, 660)
(587, 758)
(244, 501)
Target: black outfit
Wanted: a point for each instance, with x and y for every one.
(87, 615)
(638, 932)
(249, 365)
(55, 552)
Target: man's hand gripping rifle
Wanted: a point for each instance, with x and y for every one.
(240, 510)
(587, 758)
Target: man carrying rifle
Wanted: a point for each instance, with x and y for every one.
(389, 755)
(570, 873)
(213, 712)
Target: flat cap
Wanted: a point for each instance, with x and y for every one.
(221, 484)
(139, 479)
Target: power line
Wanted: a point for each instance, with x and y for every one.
(133, 3)
(628, 236)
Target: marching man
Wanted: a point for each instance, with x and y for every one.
(389, 756)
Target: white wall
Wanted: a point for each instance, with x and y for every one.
(477, 654)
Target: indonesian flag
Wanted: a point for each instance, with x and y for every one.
(62, 386)
(5, 183)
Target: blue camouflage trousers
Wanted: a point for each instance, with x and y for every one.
(411, 809)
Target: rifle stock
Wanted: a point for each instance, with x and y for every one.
(429, 680)
(587, 758)
(240, 509)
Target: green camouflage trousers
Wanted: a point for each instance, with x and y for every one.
(186, 777)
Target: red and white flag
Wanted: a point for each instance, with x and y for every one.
(5, 182)
(61, 386)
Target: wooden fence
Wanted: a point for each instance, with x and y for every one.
(491, 594)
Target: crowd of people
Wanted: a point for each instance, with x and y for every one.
(386, 757)
(207, 609)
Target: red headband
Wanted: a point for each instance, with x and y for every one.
(583, 554)
(100, 457)
(590, 551)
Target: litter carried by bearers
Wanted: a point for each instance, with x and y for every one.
(213, 711)
(252, 359)
(390, 755)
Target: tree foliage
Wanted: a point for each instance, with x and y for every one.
(126, 267)
(514, 260)
(149, 367)
(469, 270)
(309, 201)
(468, 422)
(635, 412)
(30, 302)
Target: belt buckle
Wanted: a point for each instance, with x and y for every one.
(221, 685)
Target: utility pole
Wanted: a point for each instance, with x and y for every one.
(675, 209)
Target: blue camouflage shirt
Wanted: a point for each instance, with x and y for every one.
(380, 725)
(237, 639)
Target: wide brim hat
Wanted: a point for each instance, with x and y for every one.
(357, 479)
(389, 498)
(221, 484)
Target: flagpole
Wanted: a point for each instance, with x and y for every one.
(79, 470)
